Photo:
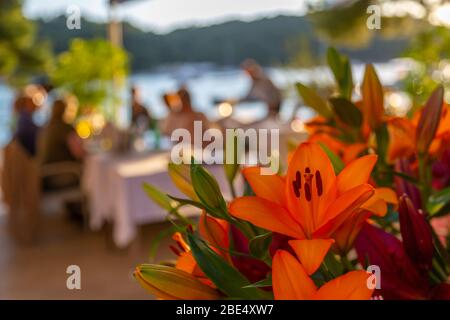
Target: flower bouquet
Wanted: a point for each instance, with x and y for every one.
(357, 214)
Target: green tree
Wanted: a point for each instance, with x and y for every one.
(20, 55)
(92, 70)
(345, 23)
(431, 50)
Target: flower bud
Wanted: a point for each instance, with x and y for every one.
(416, 234)
(373, 98)
(170, 283)
(180, 174)
(429, 120)
(207, 188)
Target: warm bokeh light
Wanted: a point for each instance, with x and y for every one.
(403, 8)
(83, 129)
(36, 93)
(441, 16)
(297, 125)
(98, 122)
(225, 109)
(399, 103)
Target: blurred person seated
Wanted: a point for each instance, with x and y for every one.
(140, 117)
(262, 89)
(59, 143)
(181, 114)
(26, 131)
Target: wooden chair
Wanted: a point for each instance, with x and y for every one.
(21, 192)
(21, 185)
(56, 198)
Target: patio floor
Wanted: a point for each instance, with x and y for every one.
(39, 271)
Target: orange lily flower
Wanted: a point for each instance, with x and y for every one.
(403, 138)
(310, 202)
(215, 232)
(290, 281)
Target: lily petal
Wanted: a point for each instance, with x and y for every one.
(215, 232)
(266, 214)
(269, 187)
(355, 173)
(402, 137)
(311, 252)
(377, 203)
(350, 286)
(341, 209)
(387, 195)
(310, 184)
(376, 206)
(346, 234)
(289, 278)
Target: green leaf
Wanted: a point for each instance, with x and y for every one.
(341, 68)
(160, 198)
(335, 63)
(338, 165)
(267, 282)
(382, 138)
(259, 245)
(438, 201)
(347, 112)
(166, 233)
(312, 99)
(405, 177)
(227, 278)
(188, 202)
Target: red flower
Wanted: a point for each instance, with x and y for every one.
(400, 278)
(416, 234)
(253, 269)
(405, 187)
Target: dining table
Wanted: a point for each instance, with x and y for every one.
(113, 183)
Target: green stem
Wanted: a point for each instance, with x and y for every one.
(424, 177)
(442, 253)
(435, 278)
(347, 264)
(439, 271)
(326, 272)
(179, 216)
(232, 189)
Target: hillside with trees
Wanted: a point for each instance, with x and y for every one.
(271, 41)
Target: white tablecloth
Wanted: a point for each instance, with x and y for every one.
(114, 186)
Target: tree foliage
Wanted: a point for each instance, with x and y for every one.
(431, 50)
(20, 55)
(91, 70)
(345, 24)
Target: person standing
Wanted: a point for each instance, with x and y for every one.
(140, 117)
(262, 88)
(26, 130)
